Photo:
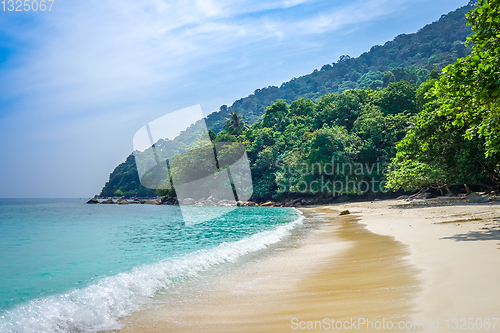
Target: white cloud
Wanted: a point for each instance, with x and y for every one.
(354, 13)
(94, 52)
(102, 67)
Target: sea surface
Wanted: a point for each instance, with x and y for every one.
(66, 266)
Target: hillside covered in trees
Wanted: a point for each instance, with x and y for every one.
(354, 112)
(408, 57)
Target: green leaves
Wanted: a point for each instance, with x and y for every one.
(349, 128)
(415, 175)
(469, 92)
(373, 120)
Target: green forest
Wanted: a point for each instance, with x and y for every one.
(416, 114)
(407, 57)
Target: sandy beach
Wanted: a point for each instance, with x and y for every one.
(387, 262)
(456, 246)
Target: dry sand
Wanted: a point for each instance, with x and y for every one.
(456, 245)
(420, 262)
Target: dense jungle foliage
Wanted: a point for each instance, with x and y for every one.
(367, 125)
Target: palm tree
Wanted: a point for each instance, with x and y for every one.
(235, 124)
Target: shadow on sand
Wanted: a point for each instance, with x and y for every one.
(440, 202)
(490, 234)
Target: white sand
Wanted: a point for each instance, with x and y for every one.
(457, 248)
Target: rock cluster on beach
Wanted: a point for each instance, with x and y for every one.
(423, 197)
(204, 202)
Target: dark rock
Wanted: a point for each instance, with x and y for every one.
(474, 198)
(169, 201)
(108, 202)
(93, 201)
(345, 212)
(123, 202)
(344, 198)
(420, 196)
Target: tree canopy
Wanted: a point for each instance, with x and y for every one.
(369, 111)
(468, 92)
(408, 57)
(456, 139)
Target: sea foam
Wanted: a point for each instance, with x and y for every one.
(99, 307)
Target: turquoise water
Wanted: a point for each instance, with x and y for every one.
(68, 266)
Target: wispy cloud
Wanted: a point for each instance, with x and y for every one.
(92, 52)
(94, 71)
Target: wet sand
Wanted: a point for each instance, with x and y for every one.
(340, 271)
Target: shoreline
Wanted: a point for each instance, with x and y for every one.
(340, 271)
(388, 260)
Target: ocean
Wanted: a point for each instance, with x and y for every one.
(66, 266)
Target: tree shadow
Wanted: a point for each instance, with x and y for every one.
(416, 204)
(490, 234)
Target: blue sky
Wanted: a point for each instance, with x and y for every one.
(79, 81)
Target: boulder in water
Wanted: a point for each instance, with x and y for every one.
(108, 202)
